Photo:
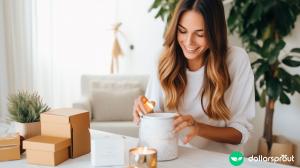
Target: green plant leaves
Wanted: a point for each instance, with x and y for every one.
(273, 88)
(289, 62)
(25, 107)
(262, 68)
(165, 8)
(256, 14)
(284, 99)
(262, 100)
(271, 50)
(262, 26)
(296, 50)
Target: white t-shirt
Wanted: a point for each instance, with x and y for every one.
(239, 98)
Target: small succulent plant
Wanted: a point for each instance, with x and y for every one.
(26, 107)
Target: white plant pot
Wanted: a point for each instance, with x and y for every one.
(28, 130)
(156, 132)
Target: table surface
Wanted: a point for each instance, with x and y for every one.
(188, 158)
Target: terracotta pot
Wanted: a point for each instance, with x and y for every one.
(28, 130)
(280, 147)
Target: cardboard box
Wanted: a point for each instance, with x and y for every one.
(10, 147)
(46, 150)
(68, 123)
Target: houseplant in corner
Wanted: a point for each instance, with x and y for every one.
(24, 109)
(262, 26)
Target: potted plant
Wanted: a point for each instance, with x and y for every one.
(25, 108)
(262, 26)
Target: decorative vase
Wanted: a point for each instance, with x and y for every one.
(28, 130)
(281, 147)
(156, 131)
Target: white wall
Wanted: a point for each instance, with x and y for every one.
(146, 34)
(75, 37)
(286, 117)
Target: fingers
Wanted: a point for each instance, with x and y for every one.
(135, 113)
(189, 137)
(139, 108)
(153, 103)
(182, 122)
(143, 99)
(181, 126)
(181, 118)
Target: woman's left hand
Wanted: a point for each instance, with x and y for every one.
(183, 121)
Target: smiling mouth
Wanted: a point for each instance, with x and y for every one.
(190, 50)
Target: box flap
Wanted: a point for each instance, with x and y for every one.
(46, 143)
(46, 118)
(10, 140)
(61, 115)
(66, 111)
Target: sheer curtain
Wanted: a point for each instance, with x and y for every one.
(16, 58)
(71, 38)
(46, 45)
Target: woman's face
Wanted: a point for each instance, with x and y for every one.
(191, 36)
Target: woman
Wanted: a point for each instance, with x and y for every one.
(209, 84)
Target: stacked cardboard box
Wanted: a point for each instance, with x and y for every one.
(61, 126)
(47, 150)
(10, 147)
(68, 123)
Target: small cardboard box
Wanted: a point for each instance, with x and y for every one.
(68, 123)
(10, 147)
(46, 150)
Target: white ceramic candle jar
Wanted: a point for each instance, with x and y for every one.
(156, 131)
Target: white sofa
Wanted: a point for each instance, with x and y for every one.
(110, 100)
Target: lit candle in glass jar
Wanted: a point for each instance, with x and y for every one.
(143, 157)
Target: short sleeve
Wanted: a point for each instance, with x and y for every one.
(154, 92)
(240, 97)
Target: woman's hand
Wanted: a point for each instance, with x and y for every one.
(141, 107)
(183, 121)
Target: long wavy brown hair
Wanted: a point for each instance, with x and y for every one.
(173, 64)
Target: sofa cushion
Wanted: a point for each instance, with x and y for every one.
(108, 84)
(114, 104)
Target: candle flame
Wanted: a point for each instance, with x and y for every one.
(145, 149)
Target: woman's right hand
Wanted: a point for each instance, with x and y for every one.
(140, 108)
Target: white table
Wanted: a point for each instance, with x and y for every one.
(188, 158)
